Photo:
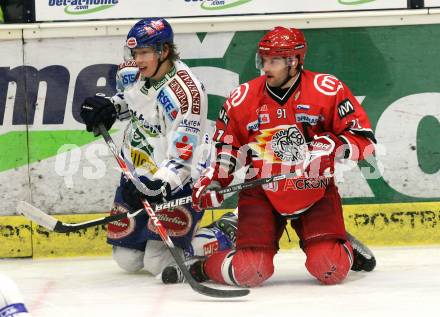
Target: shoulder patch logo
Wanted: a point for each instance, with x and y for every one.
(238, 95)
(345, 108)
(178, 91)
(327, 84)
(192, 87)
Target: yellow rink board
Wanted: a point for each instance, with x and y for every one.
(15, 237)
(379, 224)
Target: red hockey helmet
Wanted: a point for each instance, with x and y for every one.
(284, 42)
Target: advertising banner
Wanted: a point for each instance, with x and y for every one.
(66, 10)
(47, 154)
(13, 138)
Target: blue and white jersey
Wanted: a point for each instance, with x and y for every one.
(168, 124)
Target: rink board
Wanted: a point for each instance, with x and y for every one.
(45, 146)
(376, 224)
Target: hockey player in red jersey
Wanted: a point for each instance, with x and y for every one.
(288, 119)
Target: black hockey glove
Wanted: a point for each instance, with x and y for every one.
(96, 110)
(132, 196)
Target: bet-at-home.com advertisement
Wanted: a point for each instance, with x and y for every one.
(56, 10)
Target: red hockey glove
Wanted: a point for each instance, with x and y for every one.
(320, 159)
(212, 178)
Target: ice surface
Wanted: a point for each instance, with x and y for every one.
(406, 282)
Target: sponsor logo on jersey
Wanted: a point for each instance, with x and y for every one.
(138, 140)
(322, 146)
(121, 228)
(345, 108)
(170, 108)
(139, 122)
(327, 84)
(129, 63)
(195, 94)
(261, 109)
(306, 183)
(237, 96)
(210, 247)
(160, 83)
(302, 107)
(302, 117)
(192, 126)
(253, 126)
(140, 149)
(263, 118)
(185, 144)
(141, 159)
(273, 187)
(180, 94)
(177, 221)
(126, 77)
(223, 117)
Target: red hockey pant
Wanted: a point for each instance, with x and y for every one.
(322, 236)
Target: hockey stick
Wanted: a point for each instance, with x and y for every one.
(53, 224)
(202, 289)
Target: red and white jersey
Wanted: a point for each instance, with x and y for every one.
(277, 132)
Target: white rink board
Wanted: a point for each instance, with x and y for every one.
(406, 282)
(68, 10)
(16, 185)
(432, 3)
